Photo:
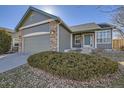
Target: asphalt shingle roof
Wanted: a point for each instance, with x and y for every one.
(89, 27)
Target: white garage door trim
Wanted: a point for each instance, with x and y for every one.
(36, 34)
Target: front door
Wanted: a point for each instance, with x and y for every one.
(88, 40)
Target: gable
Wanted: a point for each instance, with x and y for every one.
(34, 17)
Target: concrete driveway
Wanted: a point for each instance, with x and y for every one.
(10, 61)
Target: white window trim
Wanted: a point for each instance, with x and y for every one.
(35, 24)
(102, 42)
(75, 40)
(14, 41)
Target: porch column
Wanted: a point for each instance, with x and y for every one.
(71, 41)
(95, 39)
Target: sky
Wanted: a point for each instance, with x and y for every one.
(70, 14)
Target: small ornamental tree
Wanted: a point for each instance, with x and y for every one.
(5, 41)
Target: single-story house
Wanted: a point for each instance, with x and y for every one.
(40, 31)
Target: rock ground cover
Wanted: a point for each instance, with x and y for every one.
(26, 76)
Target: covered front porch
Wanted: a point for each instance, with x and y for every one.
(83, 40)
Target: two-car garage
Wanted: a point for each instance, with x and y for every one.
(40, 31)
(36, 42)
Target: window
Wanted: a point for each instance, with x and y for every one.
(15, 42)
(77, 39)
(104, 37)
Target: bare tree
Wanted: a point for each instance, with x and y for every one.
(118, 17)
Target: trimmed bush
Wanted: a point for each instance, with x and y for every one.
(5, 41)
(73, 65)
(122, 48)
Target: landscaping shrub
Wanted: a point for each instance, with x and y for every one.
(5, 41)
(122, 48)
(73, 65)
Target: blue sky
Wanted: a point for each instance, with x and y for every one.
(71, 15)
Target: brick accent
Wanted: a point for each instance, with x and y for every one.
(53, 36)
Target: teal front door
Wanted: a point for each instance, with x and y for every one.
(87, 39)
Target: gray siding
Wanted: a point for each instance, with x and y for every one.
(64, 39)
(40, 28)
(34, 18)
(15, 35)
(104, 46)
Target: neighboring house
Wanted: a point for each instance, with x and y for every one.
(15, 41)
(39, 31)
(11, 32)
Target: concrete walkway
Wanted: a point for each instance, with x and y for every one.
(10, 61)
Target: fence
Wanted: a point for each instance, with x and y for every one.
(118, 44)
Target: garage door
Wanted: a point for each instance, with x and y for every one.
(36, 44)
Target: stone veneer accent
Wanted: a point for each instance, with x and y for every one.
(53, 35)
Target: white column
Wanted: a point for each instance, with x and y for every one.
(95, 39)
(71, 40)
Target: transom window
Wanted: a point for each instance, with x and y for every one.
(104, 37)
(77, 39)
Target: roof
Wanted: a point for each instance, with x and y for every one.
(105, 25)
(42, 12)
(33, 9)
(84, 27)
(76, 28)
(7, 29)
(90, 27)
